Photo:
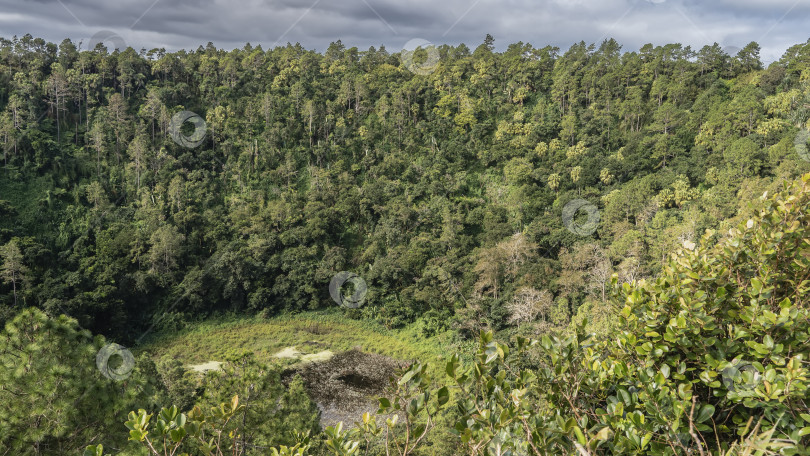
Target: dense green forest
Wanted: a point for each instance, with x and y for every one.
(532, 193)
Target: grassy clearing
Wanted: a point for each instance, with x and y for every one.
(306, 337)
(310, 333)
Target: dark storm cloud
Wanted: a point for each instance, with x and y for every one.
(176, 24)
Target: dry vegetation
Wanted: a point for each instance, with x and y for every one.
(346, 385)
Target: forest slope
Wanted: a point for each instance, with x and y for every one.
(445, 189)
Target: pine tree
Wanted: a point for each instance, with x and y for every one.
(13, 271)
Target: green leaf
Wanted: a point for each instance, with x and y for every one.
(443, 395)
(646, 439)
(756, 284)
(705, 412)
(768, 341)
(603, 434)
(625, 396)
(452, 366)
(137, 435)
(94, 450)
(580, 436)
(177, 434)
(407, 377)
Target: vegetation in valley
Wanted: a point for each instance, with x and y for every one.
(712, 360)
(442, 190)
(308, 333)
(448, 189)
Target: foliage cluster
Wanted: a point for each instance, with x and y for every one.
(712, 359)
(313, 163)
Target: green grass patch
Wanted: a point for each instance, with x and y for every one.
(308, 332)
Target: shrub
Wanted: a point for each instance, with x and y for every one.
(712, 351)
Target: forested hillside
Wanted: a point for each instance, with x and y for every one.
(515, 212)
(440, 178)
(710, 359)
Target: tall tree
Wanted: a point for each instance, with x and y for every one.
(12, 270)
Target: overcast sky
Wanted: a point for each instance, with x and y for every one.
(176, 24)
